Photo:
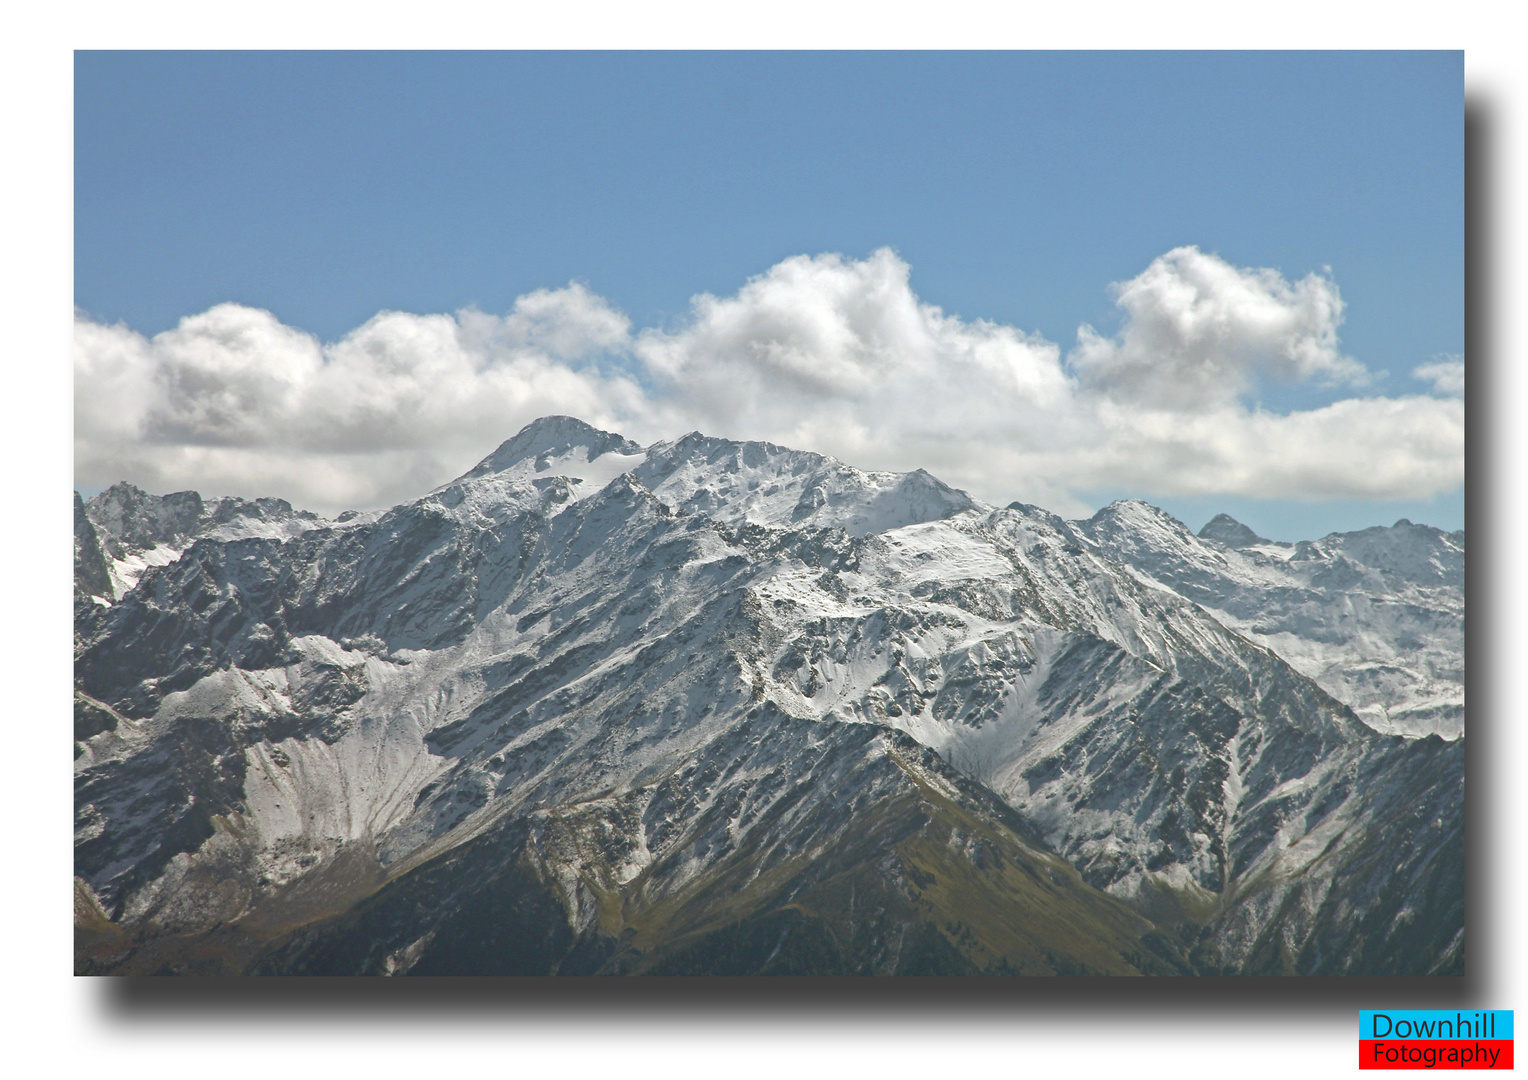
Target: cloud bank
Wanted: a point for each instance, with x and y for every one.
(822, 353)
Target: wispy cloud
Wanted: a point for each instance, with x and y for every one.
(824, 353)
(1446, 375)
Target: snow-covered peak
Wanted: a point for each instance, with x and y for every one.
(733, 481)
(765, 484)
(1136, 525)
(547, 445)
(131, 519)
(1415, 553)
(130, 529)
(1137, 512)
(134, 517)
(551, 463)
(1375, 617)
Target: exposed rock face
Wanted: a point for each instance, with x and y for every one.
(713, 706)
(1225, 529)
(91, 574)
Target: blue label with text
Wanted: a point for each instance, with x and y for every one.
(1452, 1024)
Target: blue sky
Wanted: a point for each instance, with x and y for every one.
(1015, 187)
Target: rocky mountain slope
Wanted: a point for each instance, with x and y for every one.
(1375, 617)
(712, 706)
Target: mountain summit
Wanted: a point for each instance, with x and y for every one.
(1225, 529)
(753, 482)
(554, 439)
(726, 707)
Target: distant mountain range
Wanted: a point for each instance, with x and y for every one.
(725, 707)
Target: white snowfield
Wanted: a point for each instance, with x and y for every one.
(573, 624)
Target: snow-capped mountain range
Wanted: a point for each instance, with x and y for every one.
(726, 707)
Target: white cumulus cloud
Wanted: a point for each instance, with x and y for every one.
(824, 353)
(232, 400)
(1198, 331)
(841, 357)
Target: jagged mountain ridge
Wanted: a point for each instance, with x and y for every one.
(689, 708)
(124, 530)
(1375, 617)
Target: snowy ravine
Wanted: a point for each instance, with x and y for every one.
(725, 707)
